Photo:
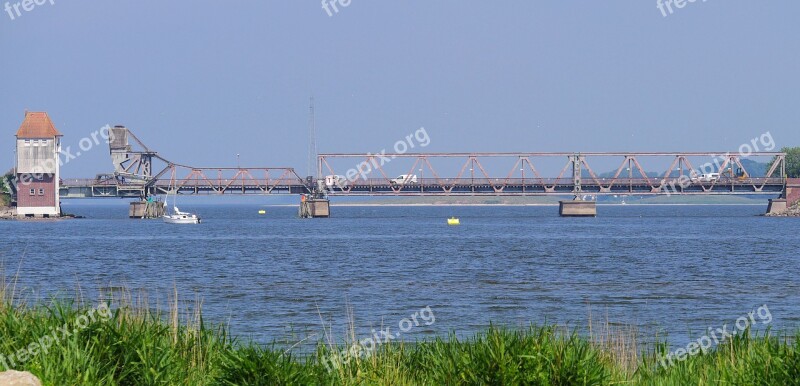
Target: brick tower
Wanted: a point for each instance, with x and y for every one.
(38, 148)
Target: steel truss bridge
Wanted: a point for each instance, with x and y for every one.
(522, 177)
(140, 172)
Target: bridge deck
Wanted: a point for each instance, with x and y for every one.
(87, 188)
(136, 174)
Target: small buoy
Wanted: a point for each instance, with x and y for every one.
(262, 211)
(453, 221)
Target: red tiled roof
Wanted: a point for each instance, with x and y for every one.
(37, 125)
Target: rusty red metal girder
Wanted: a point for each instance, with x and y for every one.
(546, 154)
(222, 180)
(630, 161)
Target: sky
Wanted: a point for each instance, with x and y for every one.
(201, 81)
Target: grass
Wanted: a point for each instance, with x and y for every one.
(129, 344)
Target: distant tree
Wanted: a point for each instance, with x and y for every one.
(5, 189)
(5, 180)
(792, 161)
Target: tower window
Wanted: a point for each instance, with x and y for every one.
(33, 192)
(41, 192)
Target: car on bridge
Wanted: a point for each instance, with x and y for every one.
(404, 179)
(708, 177)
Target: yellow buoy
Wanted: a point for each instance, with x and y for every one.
(262, 211)
(453, 221)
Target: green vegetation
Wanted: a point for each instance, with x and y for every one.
(132, 346)
(5, 189)
(792, 161)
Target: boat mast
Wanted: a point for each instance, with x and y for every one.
(312, 142)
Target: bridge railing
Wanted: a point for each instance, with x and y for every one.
(460, 181)
(86, 182)
(193, 182)
(440, 186)
(383, 182)
(204, 183)
(515, 186)
(653, 181)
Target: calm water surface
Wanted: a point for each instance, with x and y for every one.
(274, 277)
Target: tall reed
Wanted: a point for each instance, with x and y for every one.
(139, 345)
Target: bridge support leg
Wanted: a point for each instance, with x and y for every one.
(788, 200)
(577, 208)
(776, 206)
(146, 209)
(315, 207)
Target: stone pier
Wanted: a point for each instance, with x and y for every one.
(146, 209)
(776, 206)
(314, 207)
(792, 191)
(577, 208)
(789, 199)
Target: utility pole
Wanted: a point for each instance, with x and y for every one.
(312, 142)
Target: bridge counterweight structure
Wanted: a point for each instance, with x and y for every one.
(135, 177)
(194, 181)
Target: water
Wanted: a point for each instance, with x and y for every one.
(274, 277)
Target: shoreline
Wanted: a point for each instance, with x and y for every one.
(518, 205)
(431, 205)
(7, 213)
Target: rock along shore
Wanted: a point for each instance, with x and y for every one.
(793, 211)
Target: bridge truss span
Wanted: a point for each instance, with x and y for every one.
(191, 180)
(141, 172)
(553, 173)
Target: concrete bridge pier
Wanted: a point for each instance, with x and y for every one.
(577, 208)
(790, 197)
(314, 207)
(146, 209)
(777, 206)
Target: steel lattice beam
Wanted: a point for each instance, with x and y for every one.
(584, 180)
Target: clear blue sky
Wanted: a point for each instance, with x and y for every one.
(200, 81)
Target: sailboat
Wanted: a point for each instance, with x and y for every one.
(178, 217)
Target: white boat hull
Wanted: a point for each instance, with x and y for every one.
(178, 217)
(181, 219)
